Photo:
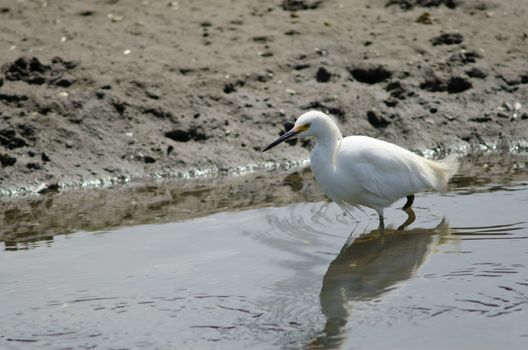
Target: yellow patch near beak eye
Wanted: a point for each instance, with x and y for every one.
(302, 128)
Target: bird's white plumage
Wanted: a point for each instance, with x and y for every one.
(360, 170)
(383, 171)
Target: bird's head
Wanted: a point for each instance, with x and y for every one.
(312, 123)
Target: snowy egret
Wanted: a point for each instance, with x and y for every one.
(364, 171)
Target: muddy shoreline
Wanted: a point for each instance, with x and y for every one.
(33, 218)
(112, 92)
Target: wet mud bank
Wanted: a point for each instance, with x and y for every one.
(109, 92)
(29, 220)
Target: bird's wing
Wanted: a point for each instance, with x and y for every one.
(381, 168)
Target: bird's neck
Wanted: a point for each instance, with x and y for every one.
(326, 145)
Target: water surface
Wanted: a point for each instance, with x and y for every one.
(266, 262)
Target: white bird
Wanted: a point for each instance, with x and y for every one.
(364, 171)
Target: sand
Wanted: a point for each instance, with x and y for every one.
(111, 91)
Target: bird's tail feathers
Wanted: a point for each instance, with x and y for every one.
(444, 170)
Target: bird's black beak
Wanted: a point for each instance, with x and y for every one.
(283, 138)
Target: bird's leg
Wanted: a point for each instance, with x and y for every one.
(351, 237)
(381, 227)
(410, 201)
(411, 216)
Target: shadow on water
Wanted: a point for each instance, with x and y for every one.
(29, 220)
(375, 264)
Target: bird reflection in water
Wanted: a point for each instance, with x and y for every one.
(370, 266)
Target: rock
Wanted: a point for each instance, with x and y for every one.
(323, 75)
(158, 112)
(33, 166)
(32, 71)
(410, 4)
(266, 54)
(482, 119)
(86, 13)
(149, 159)
(464, 57)
(503, 115)
(13, 99)
(507, 106)
(48, 188)
(301, 66)
(298, 5)
(152, 94)
(292, 32)
(119, 105)
(377, 120)
(396, 90)
(513, 79)
(475, 72)
(45, 157)
(180, 135)
(64, 82)
(262, 39)
(425, 18)
(58, 63)
(370, 74)
(9, 139)
(7, 160)
(230, 87)
(390, 102)
(28, 131)
(452, 85)
(456, 85)
(447, 39)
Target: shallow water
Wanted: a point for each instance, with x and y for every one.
(265, 262)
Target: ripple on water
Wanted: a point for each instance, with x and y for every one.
(286, 276)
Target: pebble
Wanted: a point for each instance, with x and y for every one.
(114, 18)
(126, 52)
(503, 115)
(63, 94)
(507, 106)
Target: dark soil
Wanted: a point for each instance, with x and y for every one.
(92, 92)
